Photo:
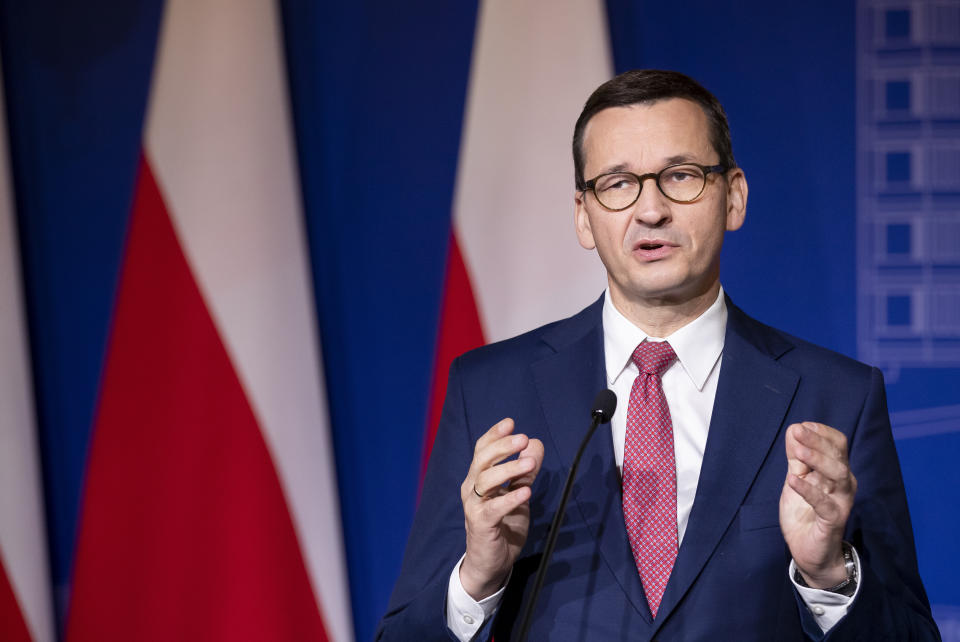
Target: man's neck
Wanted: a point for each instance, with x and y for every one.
(661, 317)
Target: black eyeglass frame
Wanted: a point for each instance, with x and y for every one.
(706, 169)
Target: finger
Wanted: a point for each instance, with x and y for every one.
(794, 464)
(822, 482)
(489, 455)
(823, 438)
(828, 432)
(494, 452)
(491, 512)
(499, 450)
(495, 476)
(500, 429)
(534, 452)
(496, 431)
(825, 449)
(823, 504)
(826, 464)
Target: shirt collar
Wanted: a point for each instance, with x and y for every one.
(698, 344)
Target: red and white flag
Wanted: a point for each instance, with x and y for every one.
(515, 262)
(25, 606)
(210, 509)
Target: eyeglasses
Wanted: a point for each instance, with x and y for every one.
(682, 183)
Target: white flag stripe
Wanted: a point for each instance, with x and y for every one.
(219, 140)
(534, 64)
(23, 547)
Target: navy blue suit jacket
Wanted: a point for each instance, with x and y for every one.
(730, 580)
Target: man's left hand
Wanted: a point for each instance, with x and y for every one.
(816, 501)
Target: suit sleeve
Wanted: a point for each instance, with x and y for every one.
(891, 603)
(416, 610)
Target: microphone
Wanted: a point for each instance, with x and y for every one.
(603, 406)
(602, 412)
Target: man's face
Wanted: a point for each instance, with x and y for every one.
(657, 251)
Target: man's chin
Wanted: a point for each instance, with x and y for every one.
(661, 290)
(666, 291)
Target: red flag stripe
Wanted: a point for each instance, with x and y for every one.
(185, 532)
(513, 205)
(219, 142)
(511, 267)
(459, 331)
(13, 628)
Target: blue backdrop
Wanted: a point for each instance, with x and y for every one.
(378, 89)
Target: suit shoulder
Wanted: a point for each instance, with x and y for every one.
(521, 347)
(820, 356)
(534, 344)
(793, 351)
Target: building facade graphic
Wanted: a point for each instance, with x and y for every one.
(908, 184)
(908, 212)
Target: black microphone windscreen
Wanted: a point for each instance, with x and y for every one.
(603, 405)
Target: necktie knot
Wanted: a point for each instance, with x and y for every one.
(653, 357)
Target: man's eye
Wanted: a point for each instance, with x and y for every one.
(680, 176)
(617, 183)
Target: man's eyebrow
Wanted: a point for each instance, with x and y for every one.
(614, 169)
(672, 160)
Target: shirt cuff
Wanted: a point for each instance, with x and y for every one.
(827, 608)
(465, 615)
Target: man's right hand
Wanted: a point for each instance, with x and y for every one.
(496, 507)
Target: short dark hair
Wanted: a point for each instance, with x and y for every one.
(645, 86)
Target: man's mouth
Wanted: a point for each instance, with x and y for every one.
(653, 249)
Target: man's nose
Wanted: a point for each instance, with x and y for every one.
(652, 207)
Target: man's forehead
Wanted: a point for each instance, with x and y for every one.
(668, 130)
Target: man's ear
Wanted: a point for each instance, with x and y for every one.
(582, 221)
(736, 198)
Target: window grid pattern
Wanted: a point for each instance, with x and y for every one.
(908, 175)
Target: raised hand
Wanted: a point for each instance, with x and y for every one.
(816, 501)
(496, 507)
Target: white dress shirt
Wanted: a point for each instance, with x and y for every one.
(690, 386)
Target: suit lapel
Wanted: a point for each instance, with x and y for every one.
(567, 382)
(753, 395)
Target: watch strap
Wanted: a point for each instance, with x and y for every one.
(848, 586)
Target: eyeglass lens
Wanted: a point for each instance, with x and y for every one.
(679, 182)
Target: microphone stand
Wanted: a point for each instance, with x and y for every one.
(599, 416)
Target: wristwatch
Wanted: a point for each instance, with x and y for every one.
(848, 586)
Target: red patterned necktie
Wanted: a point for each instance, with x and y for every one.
(650, 473)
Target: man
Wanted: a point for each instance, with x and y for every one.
(748, 488)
